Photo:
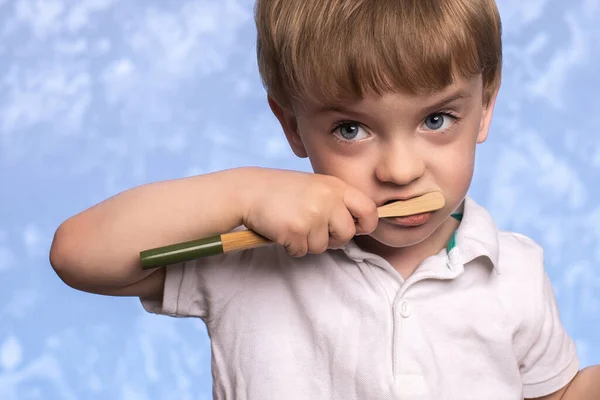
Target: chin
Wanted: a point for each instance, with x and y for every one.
(392, 235)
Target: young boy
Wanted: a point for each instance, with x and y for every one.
(388, 99)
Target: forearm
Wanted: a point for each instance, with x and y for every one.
(585, 385)
(100, 246)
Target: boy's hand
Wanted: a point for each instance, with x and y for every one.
(305, 212)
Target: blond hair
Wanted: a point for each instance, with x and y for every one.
(338, 50)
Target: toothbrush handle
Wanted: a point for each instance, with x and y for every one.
(242, 240)
(210, 246)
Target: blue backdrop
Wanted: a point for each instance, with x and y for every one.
(97, 96)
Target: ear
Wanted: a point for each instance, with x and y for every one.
(288, 122)
(486, 119)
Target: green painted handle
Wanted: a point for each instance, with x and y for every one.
(180, 252)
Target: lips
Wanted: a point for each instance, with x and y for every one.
(412, 220)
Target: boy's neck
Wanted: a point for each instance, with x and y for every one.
(407, 259)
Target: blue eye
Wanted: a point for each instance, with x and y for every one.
(349, 131)
(439, 121)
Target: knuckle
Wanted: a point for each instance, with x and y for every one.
(298, 228)
(345, 234)
(294, 250)
(349, 233)
(313, 210)
(371, 208)
(329, 188)
(368, 209)
(301, 252)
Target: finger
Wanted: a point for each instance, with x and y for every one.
(318, 239)
(296, 247)
(295, 240)
(363, 209)
(341, 228)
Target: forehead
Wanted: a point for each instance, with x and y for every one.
(462, 89)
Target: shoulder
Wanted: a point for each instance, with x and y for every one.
(523, 281)
(522, 266)
(520, 255)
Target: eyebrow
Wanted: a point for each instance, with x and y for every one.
(337, 109)
(459, 95)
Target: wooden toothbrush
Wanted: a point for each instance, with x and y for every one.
(247, 239)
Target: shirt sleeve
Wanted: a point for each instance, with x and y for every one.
(549, 360)
(201, 288)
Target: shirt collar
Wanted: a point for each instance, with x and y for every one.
(476, 236)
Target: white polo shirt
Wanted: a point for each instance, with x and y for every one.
(479, 322)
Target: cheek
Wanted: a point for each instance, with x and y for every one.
(351, 171)
(319, 157)
(356, 172)
(350, 164)
(453, 169)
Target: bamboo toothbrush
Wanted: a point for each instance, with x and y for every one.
(247, 239)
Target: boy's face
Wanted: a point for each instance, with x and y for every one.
(396, 146)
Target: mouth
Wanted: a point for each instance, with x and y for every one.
(412, 220)
(408, 221)
(390, 202)
(399, 199)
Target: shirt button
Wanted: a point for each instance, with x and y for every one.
(404, 309)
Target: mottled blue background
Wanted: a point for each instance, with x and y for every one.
(97, 96)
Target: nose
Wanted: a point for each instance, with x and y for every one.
(400, 162)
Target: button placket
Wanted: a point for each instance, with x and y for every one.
(396, 339)
(402, 310)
